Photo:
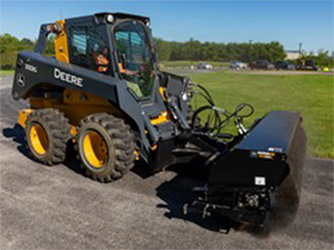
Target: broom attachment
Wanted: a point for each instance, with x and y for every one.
(258, 181)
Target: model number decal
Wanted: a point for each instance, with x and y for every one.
(66, 77)
(31, 68)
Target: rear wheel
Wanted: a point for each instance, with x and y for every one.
(105, 147)
(46, 134)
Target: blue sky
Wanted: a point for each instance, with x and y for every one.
(290, 22)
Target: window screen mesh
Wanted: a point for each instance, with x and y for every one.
(85, 45)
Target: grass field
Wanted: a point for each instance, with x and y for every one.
(186, 64)
(6, 72)
(311, 95)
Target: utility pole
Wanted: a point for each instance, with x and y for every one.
(191, 52)
(61, 14)
(300, 49)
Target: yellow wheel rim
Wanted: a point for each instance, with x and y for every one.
(95, 149)
(39, 139)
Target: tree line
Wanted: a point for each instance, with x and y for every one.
(10, 46)
(211, 51)
(192, 50)
(225, 52)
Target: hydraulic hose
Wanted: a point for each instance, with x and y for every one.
(218, 123)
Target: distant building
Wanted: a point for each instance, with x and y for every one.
(292, 54)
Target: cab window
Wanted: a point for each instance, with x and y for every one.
(88, 50)
(135, 57)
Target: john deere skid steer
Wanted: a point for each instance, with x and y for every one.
(104, 92)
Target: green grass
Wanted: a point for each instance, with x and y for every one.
(311, 95)
(6, 72)
(186, 64)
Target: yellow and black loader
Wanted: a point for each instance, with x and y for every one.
(104, 92)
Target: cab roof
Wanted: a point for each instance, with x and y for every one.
(99, 17)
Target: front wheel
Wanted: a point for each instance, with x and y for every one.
(105, 146)
(47, 132)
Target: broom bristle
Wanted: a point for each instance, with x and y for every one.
(285, 200)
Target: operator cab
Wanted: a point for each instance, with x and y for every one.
(119, 45)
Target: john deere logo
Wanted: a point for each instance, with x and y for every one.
(67, 77)
(21, 80)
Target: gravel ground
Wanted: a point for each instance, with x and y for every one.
(55, 207)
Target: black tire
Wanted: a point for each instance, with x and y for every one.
(56, 132)
(119, 146)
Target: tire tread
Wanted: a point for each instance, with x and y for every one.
(123, 140)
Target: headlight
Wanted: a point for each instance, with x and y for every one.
(110, 18)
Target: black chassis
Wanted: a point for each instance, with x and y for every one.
(243, 173)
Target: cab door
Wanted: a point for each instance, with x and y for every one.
(137, 65)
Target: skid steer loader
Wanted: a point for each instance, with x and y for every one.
(104, 91)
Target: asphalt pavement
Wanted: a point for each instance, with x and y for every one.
(56, 207)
